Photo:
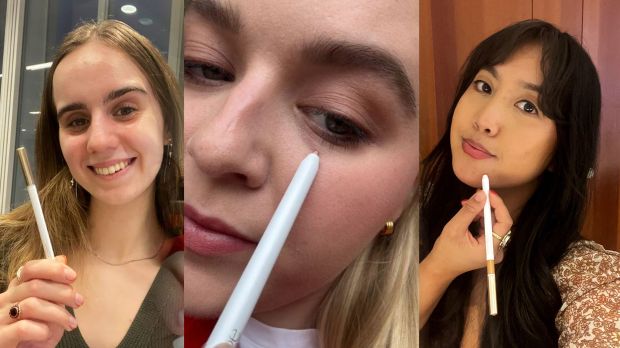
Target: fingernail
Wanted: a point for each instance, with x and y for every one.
(70, 274)
(479, 196)
(72, 323)
(79, 299)
(463, 202)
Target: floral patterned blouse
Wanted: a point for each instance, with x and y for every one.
(589, 281)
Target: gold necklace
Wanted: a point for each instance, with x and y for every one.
(129, 261)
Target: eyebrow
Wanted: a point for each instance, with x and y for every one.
(527, 85)
(363, 57)
(121, 92)
(223, 15)
(111, 96)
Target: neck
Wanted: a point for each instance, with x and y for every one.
(301, 314)
(121, 232)
(515, 197)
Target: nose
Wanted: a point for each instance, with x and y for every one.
(488, 118)
(229, 143)
(102, 133)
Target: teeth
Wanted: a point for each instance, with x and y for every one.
(112, 169)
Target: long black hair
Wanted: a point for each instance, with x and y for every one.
(553, 216)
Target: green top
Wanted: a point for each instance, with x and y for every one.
(148, 328)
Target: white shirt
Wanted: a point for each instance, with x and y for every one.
(259, 335)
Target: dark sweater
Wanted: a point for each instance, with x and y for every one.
(149, 328)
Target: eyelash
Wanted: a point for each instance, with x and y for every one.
(199, 77)
(75, 127)
(356, 134)
(124, 107)
(479, 86)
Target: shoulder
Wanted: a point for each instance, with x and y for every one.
(588, 278)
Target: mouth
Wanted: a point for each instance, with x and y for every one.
(475, 150)
(109, 168)
(208, 236)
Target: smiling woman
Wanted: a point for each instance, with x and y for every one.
(109, 180)
(266, 83)
(526, 113)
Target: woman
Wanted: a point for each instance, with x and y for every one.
(262, 90)
(107, 151)
(526, 113)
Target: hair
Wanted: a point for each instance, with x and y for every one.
(374, 302)
(552, 217)
(66, 207)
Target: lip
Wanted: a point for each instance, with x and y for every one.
(207, 236)
(475, 150)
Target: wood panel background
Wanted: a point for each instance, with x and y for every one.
(450, 29)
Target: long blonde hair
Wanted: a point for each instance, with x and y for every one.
(374, 302)
(66, 206)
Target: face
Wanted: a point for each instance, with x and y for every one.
(498, 128)
(111, 128)
(264, 90)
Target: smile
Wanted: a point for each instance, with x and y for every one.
(113, 168)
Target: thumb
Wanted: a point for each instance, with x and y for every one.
(61, 259)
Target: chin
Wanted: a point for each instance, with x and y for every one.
(467, 174)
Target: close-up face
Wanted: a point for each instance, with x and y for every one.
(498, 128)
(266, 83)
(112, 131)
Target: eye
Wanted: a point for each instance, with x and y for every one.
(482, 87)
(77, 124)
(335, 128)
(527, 106)
(124, 111)
(206, 74)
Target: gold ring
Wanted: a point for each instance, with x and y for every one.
(503, 241)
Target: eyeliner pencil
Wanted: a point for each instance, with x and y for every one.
(241, 303)
(36, 203)
(488, 242)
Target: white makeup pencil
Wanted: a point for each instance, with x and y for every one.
(488, 242)
(241, 303)
(36, 203)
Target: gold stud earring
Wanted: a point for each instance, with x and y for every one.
(388, 229)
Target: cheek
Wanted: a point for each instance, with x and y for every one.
(345, 211)
(72, 150)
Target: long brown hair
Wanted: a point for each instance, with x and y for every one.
(66, 206)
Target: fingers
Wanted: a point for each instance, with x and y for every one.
(503, 220)
(23, 331)
(55, 270)
(42, 311)
(47, 290)
(470, 209)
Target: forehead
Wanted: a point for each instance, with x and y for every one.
(96, 65)
(523, 64)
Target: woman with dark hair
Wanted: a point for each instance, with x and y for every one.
(526, 113)
(107, 148)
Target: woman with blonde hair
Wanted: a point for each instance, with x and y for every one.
(107, 153)
(266, 83)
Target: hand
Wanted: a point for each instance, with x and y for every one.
(457, 251)
(42, 292)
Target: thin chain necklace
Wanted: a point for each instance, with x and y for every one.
(128, 261)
